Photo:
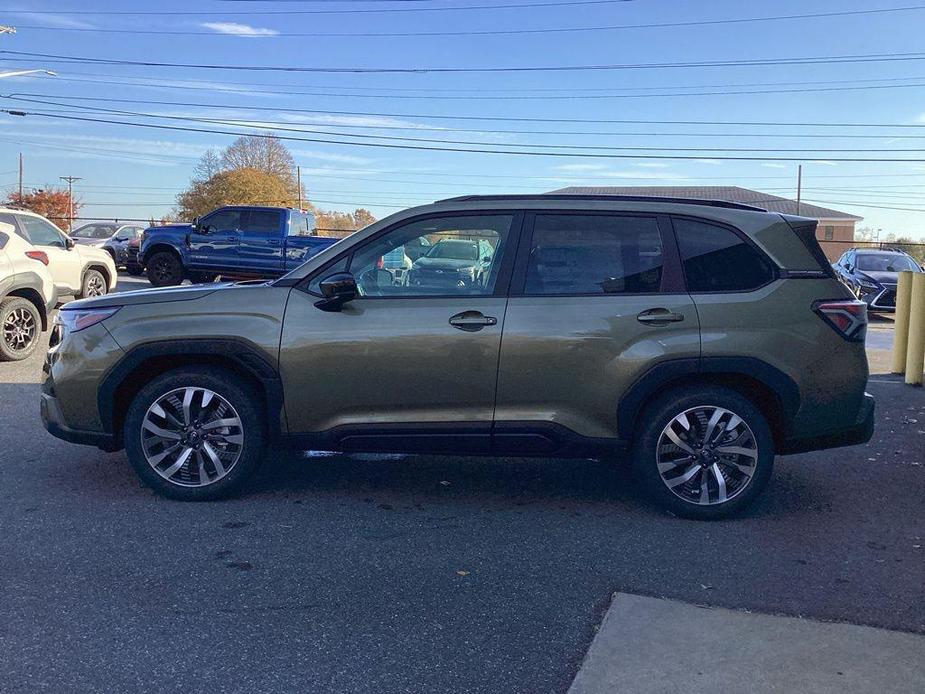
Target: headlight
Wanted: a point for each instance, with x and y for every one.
(76, 319)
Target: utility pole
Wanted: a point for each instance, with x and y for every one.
(298, 178)
(799, 186)
(20, 177)
(70, 199)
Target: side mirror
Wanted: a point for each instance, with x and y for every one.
(337, 290)
(486, 259)
(69, 242)
(848, 267)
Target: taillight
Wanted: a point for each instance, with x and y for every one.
(40, 256)
(847, 317)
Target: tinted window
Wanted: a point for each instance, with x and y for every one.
(262, 221)
(41, 233)
(463, 273)
(94, 231)
(223, 220)
(594, 254)
(875, 262)
(718, 260)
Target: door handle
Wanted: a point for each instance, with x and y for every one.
(659, 316)
(472, 321)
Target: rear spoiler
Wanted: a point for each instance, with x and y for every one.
(805, 229)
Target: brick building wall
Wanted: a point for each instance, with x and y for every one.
(835, 236)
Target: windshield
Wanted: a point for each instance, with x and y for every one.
(872, 262)
(94, 231)
(456, 250)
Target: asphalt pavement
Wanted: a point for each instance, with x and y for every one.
(417, 573)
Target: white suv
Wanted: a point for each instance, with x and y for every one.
(79, 271)
(27, 295)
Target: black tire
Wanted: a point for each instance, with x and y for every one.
(164, 269)
(20, 328)
(655, 418)
(227, 385)
(94, 284)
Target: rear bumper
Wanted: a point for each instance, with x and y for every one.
(860, 431)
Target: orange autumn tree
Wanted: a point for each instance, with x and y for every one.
(52, 203)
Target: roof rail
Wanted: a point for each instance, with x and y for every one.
(605, 198)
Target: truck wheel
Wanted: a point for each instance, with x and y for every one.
(165, 269)
(20, 324)
(195, 433)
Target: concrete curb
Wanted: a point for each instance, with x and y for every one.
(651, 645)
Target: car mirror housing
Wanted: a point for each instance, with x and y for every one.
(69, 243)
(337, 290)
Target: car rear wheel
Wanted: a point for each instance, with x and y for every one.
(195, 434)
(21, 324)
(94, 284)
(703, 452)
(164, 269)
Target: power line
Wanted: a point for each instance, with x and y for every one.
(805, 60)
(595, 121)
(418, 127)
(262, 13)
(471, 150)
(476, 143)
(488, 32)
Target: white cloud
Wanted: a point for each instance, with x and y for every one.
(235, 29)
(652, 165)
(774, 165)
(328, 156)
(582, 167)
(823, 162)
(711, 162)
(58, 20)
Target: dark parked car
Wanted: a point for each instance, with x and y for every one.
(450, 262)
(702, 338)
(872, 275)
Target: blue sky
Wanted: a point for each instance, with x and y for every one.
(136, 172)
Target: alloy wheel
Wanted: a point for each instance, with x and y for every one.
(707, 455)
(19, 329)
(192, 437)
(95, 286)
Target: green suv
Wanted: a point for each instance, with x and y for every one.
(701, 337)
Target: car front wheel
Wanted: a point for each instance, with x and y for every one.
(703, 452)
(94, 284)
(195, 434)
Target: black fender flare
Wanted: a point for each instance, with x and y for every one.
(678, 370)
(243, 354)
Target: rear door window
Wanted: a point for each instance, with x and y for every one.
(261, 221)
(594, 254)
(716, 259)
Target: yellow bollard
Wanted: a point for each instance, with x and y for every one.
(901, 328)
(915, 356)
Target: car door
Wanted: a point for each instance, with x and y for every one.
(213, 242)
(260, 243)
(64, 261)
(596, 300)
(400, 367)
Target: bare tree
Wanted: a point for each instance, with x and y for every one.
(267, 154)
(209, 165)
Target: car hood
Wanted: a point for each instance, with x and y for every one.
(443, 263)
(161, 295)
(880, 277)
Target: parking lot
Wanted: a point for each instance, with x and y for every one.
(418, 573)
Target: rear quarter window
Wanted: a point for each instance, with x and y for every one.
(716, 259)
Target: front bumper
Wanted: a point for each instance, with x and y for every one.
(860, 431)
(53, 420)
(880, 300)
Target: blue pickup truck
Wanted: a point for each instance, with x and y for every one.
(236, 241)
